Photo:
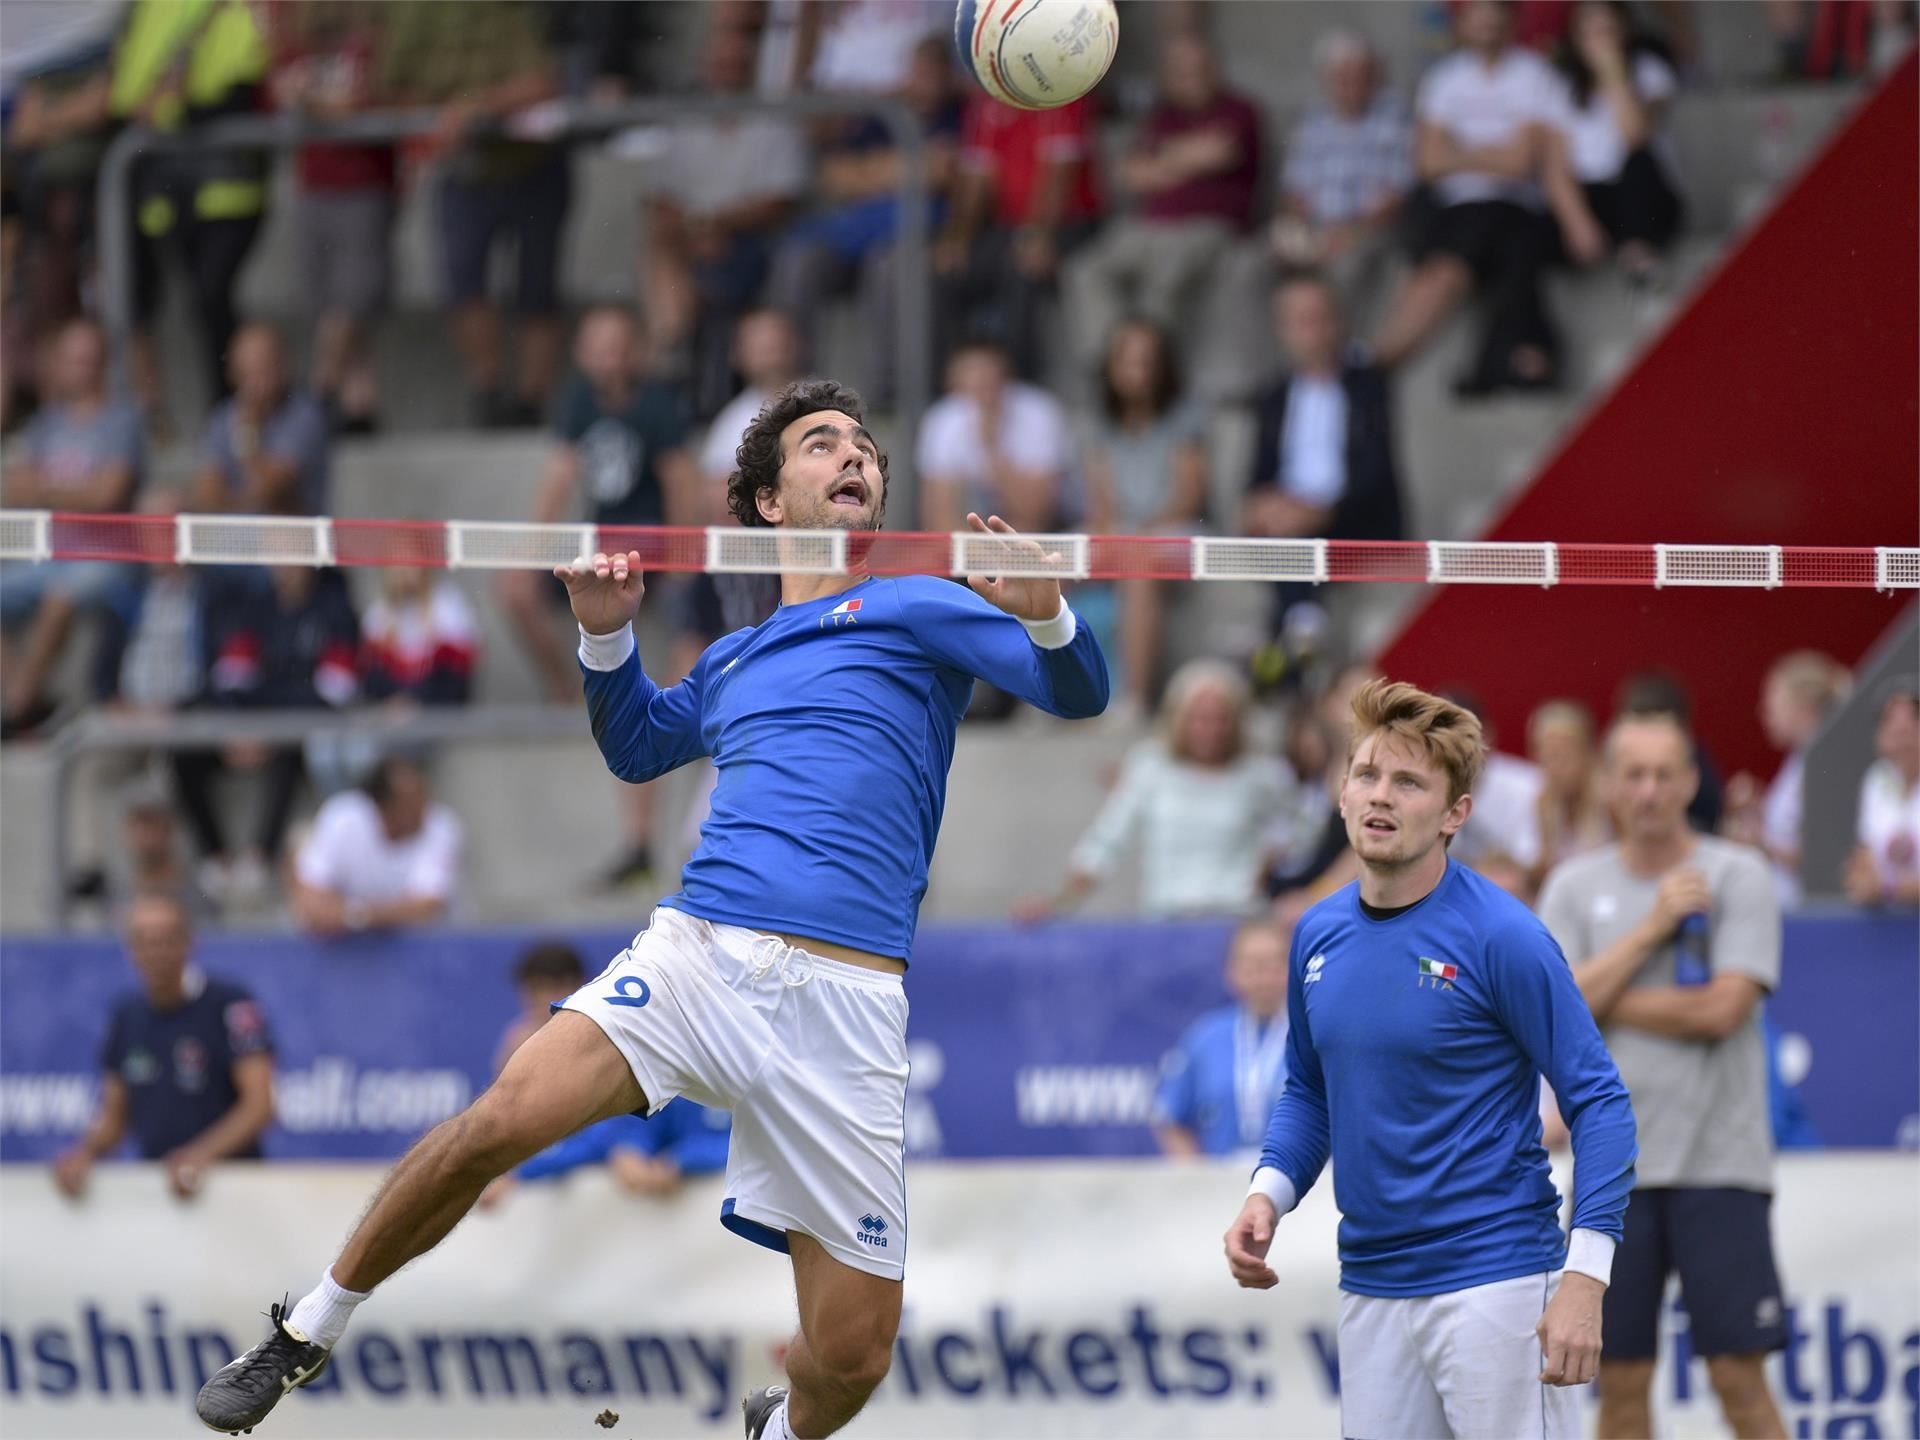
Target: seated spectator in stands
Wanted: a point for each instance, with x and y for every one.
(995, 445)
(266, 449)
(1191, 177)
(1348, 172)
(1218, 1086)
(1480, 147)
(291, 643)
(188, 1062)
(727, 189)
(1309, 855)
(1801, 690)
(1839, 39)
(155, 649)
(1617, 85)
(545, 974)
(384, 857)
(323, 68)
(847, 242)
(1655, 692)
(480, 64)
(1884, 868)
(597, 49)
(1571, 812)
(620, 460)
(1197, 801)
(150, 860)
(419, 642)
(863, 46)
(82, 452)
(1025, 199)
(1146, 466)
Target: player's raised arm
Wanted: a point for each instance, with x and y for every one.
(1052, 661)
(642, 730)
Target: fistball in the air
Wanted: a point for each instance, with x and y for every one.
(1037, 54)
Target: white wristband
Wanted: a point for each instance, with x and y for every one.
(1274, 1184)
(606, 652)
(1590, 1253)
(1054, 634)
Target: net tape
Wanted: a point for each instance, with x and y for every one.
(476, 545)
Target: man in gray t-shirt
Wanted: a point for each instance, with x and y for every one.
(1674, 939)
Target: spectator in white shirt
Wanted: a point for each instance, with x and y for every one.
(1197, 801)
(1571, 811)
(1801, 690)
(995, 445)
(1348, 171)
(1503, 832)
(382, 857)
(1612, 107)
(1884, 868)
(1484, 115)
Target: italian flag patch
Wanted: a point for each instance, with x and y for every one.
(1438, 970)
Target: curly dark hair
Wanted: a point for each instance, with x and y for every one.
(757, 462)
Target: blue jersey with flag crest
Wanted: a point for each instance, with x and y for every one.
(1414, 1058)
(831, 726)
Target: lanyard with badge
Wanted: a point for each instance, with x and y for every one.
(1256, 1061)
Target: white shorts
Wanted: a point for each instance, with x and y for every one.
(809, 1054)
(1465, 1364)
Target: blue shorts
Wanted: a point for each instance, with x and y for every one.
(1720, 1242)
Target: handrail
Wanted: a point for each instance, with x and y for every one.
(96, 732)
(571, 120)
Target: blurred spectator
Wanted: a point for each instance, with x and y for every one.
(150, 860)
(188, 1062)
(1197, 801)
(1674, 939)
(727, 187)
(848, 241)
(1839, 39)
(266, 449)
(545, 974)
(1192, 174)
(1885, 866)
(995, 445)
(1025, 199)
(1146, 464)
(1310, 853)
(1323, 464)
(621, 459)
(155, 649)
(179, 65)
(419, 642)
(480, 64)
(1614, 103)
(1502, 836)
(1655, 692)
(1571, 812)
(1480, 148)
(1801, 690)
(1348, 171)
(383, 857)
(864, 46)
(289, 644)
(82, 452)
(323, 68)
(597, 48)
(1219, 1085)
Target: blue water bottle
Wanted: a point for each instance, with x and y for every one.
(1690, 962)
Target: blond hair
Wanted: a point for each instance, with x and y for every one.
(1811, 677)
(1192, 680)
(1448, 734)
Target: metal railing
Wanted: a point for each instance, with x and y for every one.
(913, 357)
(100, 733)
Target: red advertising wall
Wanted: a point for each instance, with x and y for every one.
(1779, 408)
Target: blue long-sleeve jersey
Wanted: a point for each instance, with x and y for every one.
(1414, 1056)
(831, 725)
(690, 1135)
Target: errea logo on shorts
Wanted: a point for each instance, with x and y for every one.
(873, 1231)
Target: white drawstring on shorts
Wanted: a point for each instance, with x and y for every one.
(770, 952)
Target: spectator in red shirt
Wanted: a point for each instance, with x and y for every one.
(1025, 197)
(1191, 174)
(323, 59)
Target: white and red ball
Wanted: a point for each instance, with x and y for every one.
(1037, 54)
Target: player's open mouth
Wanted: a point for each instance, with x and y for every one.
(1379, 825)
(851, 491)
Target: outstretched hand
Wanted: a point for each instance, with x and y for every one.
(604, 592)
(1027, 599)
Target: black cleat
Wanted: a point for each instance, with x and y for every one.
(240, 1395)
(759, 1407)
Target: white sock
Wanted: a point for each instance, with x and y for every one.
(323, 1312)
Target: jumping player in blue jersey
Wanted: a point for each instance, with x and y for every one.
(1424, 1005)
(770, 985)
